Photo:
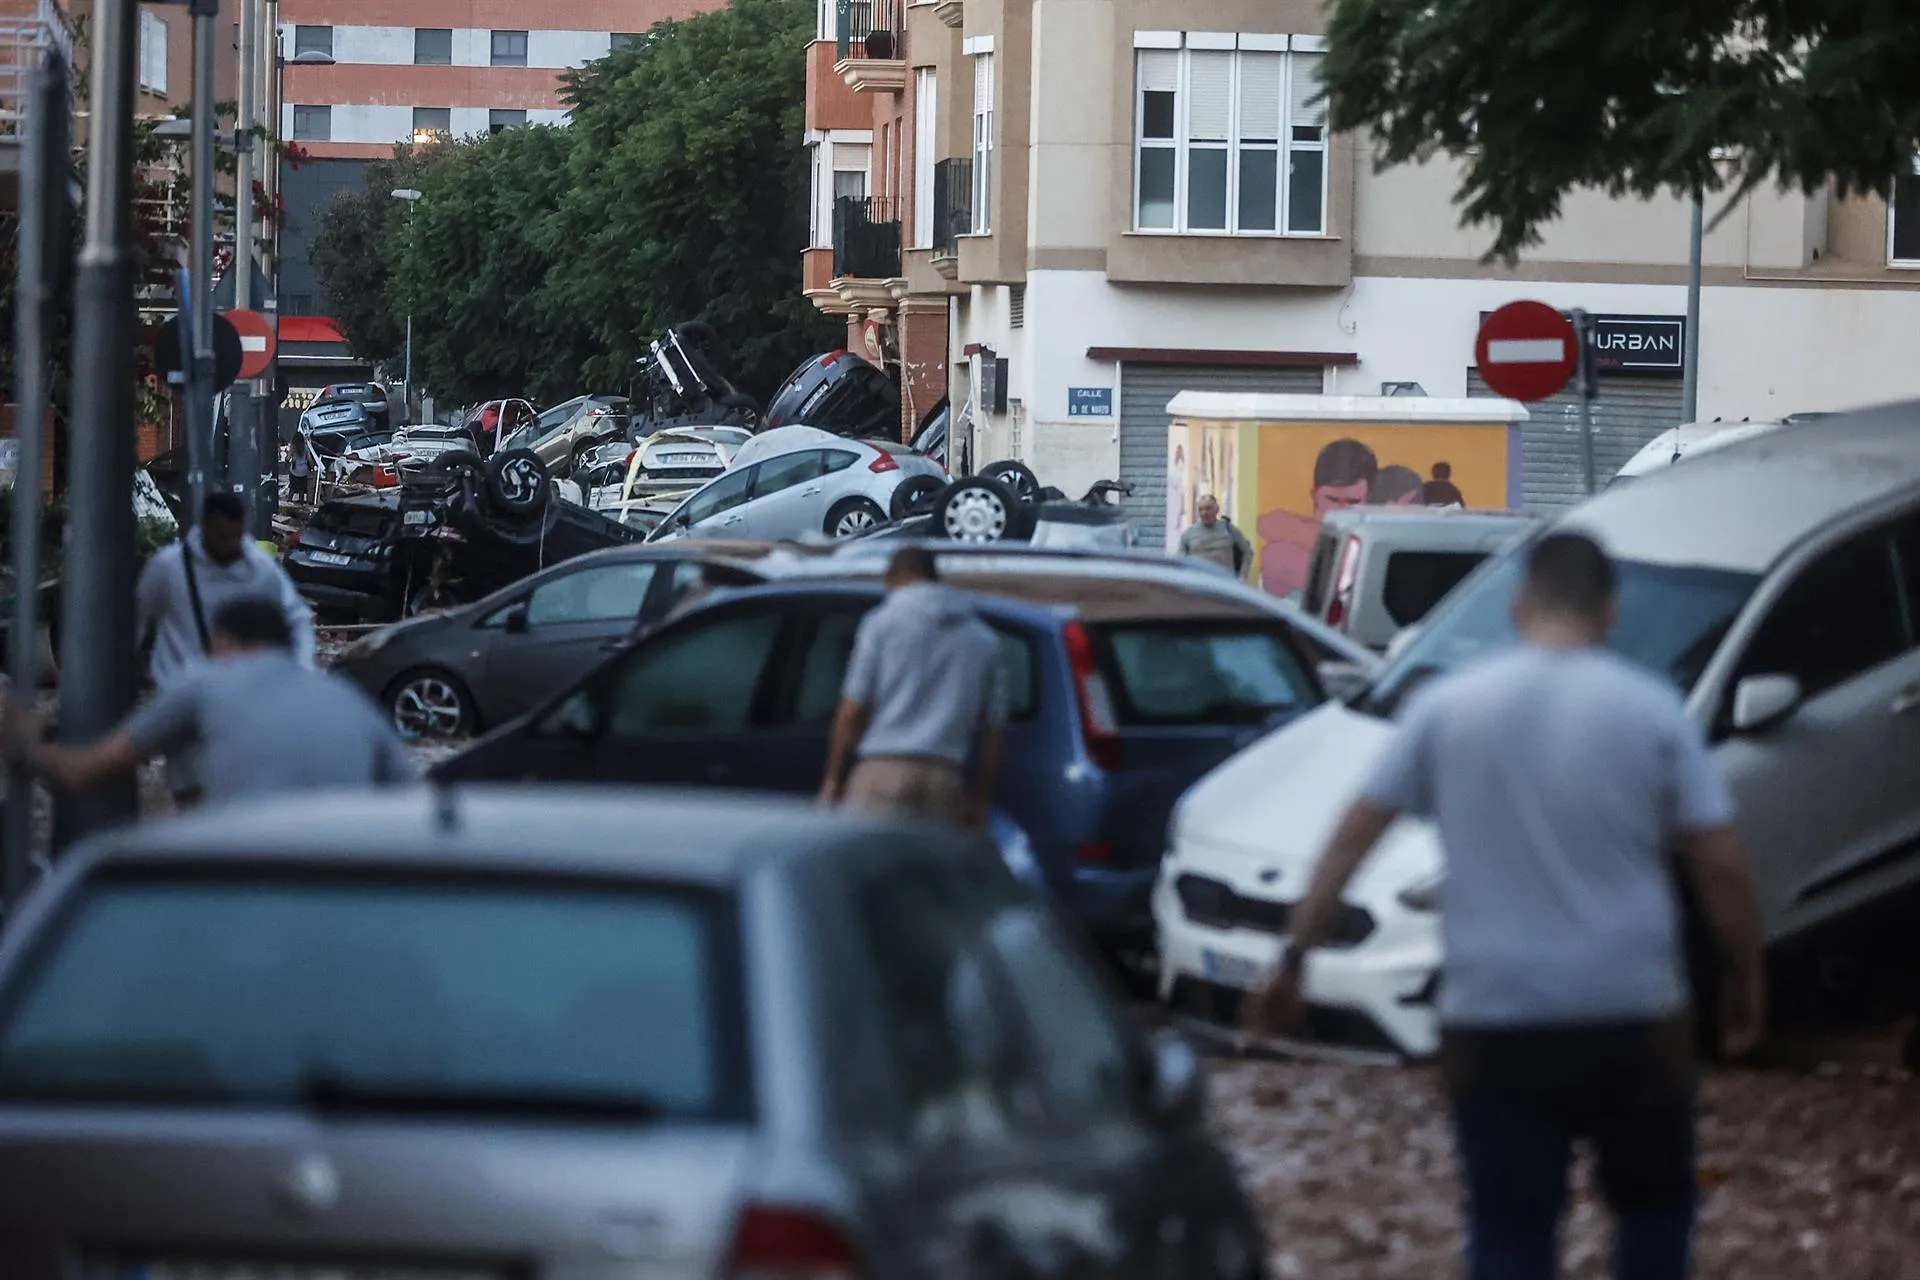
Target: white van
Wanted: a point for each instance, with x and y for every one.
(1696, 438)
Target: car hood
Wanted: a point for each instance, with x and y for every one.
(1274, 806)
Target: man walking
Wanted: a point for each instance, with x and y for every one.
(924, 692)
(1214, 538)
(263, 721)
(1562, 779)
(185, 584)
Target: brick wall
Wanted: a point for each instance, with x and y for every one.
(46, 444)
(923, 359)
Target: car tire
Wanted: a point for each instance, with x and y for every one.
(518, 484)
(1018, 477)
(579, 458)
(851, 516)
(431, 704)
(914, 496)
(981, 510)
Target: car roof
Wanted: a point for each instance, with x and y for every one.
(702, 837)
(1744, 506)
(1046, 597)
(1449, 516)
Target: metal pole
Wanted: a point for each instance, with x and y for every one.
(245, 406)
(42, 181)
(200, 390)
(1584, 375)
(407, 376)
(1690, 355)
(275, 74)
(96, 599)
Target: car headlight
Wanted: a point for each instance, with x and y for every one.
(1423, 895)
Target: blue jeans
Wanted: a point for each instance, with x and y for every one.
(1523, 1097)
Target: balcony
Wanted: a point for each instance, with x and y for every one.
(952, 212)
(23, 41)
(950, 12)
(868, 45)
(868, 269)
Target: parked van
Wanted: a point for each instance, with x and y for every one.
(1696, 438)
(1379, 570)
(1777, 584)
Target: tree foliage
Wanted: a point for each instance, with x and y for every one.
(1539, 97)
(354, 243)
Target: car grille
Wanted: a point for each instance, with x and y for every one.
(1214, 905)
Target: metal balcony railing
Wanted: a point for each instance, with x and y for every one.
(866, 239)
(22, 42)
(868, 28)
(952, 204)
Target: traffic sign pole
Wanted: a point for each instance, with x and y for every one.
(1585, 387)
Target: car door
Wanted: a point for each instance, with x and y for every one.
(1829, 796)
(560, 630)
(715, 511)
(792, 754)
(784, 502)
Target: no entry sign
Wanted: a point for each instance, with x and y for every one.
(1526, 351)
(256, 341)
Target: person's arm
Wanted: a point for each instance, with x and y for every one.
(299, 618)
(993, 727)
(851, 717)
(68, 767)
(1242, 551)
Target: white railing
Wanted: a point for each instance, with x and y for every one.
(22, 41)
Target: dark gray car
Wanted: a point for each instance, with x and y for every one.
(608, 1034)
(449, 674)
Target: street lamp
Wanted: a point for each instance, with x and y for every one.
(410, 195)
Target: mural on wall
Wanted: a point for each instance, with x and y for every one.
(1202, 458)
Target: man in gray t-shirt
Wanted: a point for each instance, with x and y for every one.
(263, 722)
(1562, 780)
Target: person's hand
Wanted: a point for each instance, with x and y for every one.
(1278, 1008)
(1743, 1013)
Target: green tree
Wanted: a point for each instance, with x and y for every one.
(688, 195)
(1540, 97)
(355, 241)
(470, 260)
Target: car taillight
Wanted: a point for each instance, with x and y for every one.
(826, 361)
(1343, 582)
(1098, 723)
(774, 1243)
(883, 464)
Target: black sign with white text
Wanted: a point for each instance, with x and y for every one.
(1649, 346)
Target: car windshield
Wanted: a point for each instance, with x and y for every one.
(435, 993)
(1672, 619)
(1202, 673)
(560, 414)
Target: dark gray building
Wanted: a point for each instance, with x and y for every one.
(307, 191)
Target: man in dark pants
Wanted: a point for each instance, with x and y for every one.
(1562, 780)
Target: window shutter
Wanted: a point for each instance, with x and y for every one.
(1159, 71)
(1210, 109)
(1260, 75)
(1309, 109)
(982, 83)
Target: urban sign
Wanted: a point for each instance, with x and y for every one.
(1089, 402)
(1643, 344)
(1526, 351)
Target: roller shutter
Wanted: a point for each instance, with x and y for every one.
(1146, 389)
(1629, 413)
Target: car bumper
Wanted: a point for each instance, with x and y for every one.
(1377, 996)
(1115, 906)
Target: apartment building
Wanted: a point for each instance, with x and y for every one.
(1122, 199)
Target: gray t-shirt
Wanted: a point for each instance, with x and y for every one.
(1558, 780)
(929, 673)
(265, 723)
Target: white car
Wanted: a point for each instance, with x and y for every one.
(799, 483)
(1697, 438)
(683, 458)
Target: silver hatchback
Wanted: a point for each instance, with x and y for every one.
(695, 1037)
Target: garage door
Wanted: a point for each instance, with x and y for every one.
(1145, 390)
(1629, 413)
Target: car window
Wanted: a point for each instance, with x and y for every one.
(599, 594)
(838, 460)
(723, 495)
(1203, 673)
(830, 647)
(403, 990)
(777, 474)
(1842, 616)
(1081, 1049)
(700, 677)
(1418, 580)
(1320, 573)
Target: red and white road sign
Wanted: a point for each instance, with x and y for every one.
(1526, 351)
(256, 341)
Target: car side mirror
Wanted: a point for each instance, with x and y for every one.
(1401, 639)
(1176, 1083)
(1760, 702)
(1341, 679)
(516, 620)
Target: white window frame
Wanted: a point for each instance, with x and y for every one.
(1184, 45)
(985, 88)
(153, 53)
(1893, 215)
(926, 134)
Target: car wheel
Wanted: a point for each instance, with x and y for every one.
(981, 510)
(852, 516)
(430, 703)
(1018, 477)
(579, 459)
(914, 496)
(517, 483)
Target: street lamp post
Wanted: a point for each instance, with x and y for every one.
(406, 378)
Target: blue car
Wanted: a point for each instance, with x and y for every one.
(1122, 695)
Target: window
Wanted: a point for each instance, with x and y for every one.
(1230, 140)
(602, 594)
(699, 678)
(621, 41)
(511, 119)
(434, 120)
(982, 144)
(850, 184)
(402, 988)
(1418, 580)
(312, 40)
(1084, 1054)
(1841, 617)
(1903, 219)
(777, 474)
(1207, 673)
(509, 48)
(153, 53)
(313, 124)
(925, 146)
(824, 670)
(723, 495)
(433, 46)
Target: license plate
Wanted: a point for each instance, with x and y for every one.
(1232, 971)
(329, 557)
(686, 457)
(417, 517)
